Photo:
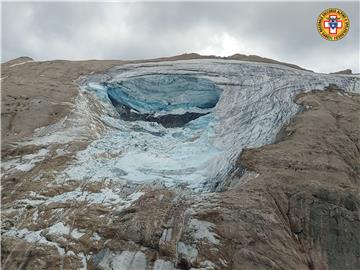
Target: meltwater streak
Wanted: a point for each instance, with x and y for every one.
(255, 101)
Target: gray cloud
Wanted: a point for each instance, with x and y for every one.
(280, 30)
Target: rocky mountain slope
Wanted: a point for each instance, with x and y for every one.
(259, 171)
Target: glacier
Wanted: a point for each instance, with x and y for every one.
(186, 122)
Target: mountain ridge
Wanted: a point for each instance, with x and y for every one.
(184, 56)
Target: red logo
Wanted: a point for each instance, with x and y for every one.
(333, 24)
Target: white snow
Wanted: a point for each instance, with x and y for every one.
(126, 260)
(21, 63)
(95, 237)
(106, 196)
(83, 260)
(33, 237)
(202, 230)
(186, 251)
(163, 265)
(35, 215)
(70, 253)
(24, 163)
(60, 229)
(208, 264)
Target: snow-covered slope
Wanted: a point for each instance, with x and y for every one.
(239, 104)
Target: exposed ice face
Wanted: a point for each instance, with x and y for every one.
(164, 93)
(171, 100)
(255, 100)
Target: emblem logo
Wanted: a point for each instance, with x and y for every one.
(333, 24)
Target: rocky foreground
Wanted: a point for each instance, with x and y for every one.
(289, 199)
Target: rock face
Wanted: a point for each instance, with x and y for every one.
(265, 177)
(312, 176)
(36, 94)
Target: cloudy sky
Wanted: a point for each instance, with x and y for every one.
(79, 30)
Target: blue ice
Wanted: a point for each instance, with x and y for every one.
(154, 93)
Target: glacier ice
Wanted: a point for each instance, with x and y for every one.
(172, 100)
(158, 93)
(238, 104)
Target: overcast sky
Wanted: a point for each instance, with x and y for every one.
(77, 30)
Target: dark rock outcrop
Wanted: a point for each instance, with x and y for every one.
(345, 71)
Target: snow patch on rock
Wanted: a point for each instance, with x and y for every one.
(24, 163)
(163, 265)
(188, 252)
(35, 237)
(126, 260)
(203, 230)
(106, 197)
